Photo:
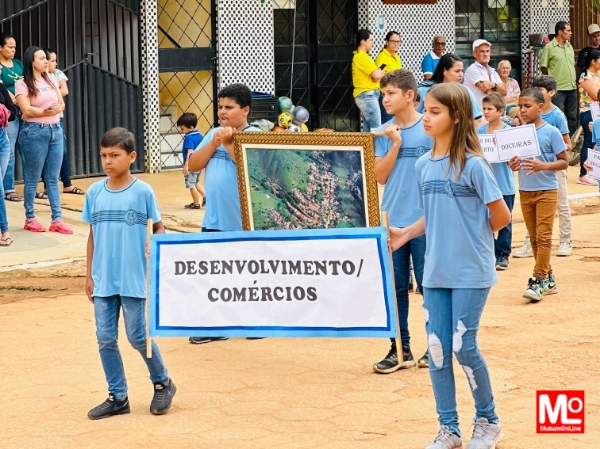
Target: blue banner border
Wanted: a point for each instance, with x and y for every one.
(378, 233)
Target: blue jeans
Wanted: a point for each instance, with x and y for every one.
(585, 118)
(452, 320)
(503, 243)
(106, 312)
(368, 103)
(41, 148)
(13, 135)
(4, 158)
(401, 261)
(65, 170)
(385, 117)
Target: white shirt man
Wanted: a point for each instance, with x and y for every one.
(480, 78)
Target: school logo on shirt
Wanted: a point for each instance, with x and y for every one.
(130, 217)
(449, 188)
(420, 151)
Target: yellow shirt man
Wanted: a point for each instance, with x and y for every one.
(362, 67)
(391, 61)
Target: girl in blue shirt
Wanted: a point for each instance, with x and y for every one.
(463, 207)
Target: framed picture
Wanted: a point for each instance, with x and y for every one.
(306, 180)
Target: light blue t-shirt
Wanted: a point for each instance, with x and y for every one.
(223, 211)
(596, 131)
(400, 198)
(119, 220)
(551, 143)
(557, 118)
(460, 242)
(477, 114)
(504, 175)
(429, 64)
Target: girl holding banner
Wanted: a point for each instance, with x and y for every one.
(463, 207)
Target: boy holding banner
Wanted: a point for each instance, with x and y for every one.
(552, 115)
(117, 209)
(538, 191)
(396, 153)
(493, 106)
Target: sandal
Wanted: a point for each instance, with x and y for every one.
(12, 196)
(6, 242)
(34, 226)
(41, 195)
(192, 206)
(61, 227)
(75, 191)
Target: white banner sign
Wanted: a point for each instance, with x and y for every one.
(488, 145)
(595, 110)
(519, 141)
(326, 283)
(594, 161)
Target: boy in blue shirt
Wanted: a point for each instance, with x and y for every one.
(395, 156)
(216, 154)
(187, 125)
(552, 115)
(538, 191)
(493, 106)
(117, 209)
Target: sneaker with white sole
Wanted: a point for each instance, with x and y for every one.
(524, 251)
(446, 439)
(424, 361)
(565, 248)
(535, 289)
(390, 363)
(485, 435)
(549, 285)
(587, 180)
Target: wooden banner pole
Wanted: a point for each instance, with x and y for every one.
(386, 223)
(148, 341)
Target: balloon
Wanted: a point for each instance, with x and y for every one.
(294, 128)
(304, 127)
(278, 129)
(285, 119)
(300, 115)
(285, 104)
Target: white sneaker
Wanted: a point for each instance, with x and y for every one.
(446, 439)
(485, 435)
(525, 250)
(565, 248)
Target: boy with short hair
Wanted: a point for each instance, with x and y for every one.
(117, 209)
(552, 115)
(396, 153)
(493, 106)
(216, 154)
(538, 191)
(187, 125)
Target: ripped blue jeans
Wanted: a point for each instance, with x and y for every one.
(452, 320)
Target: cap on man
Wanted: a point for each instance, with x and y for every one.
(480, 77)
(431, 59)
(593, 44)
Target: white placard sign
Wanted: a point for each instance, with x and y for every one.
(488, 145)
(595, 110)
(594, 161)
(308, 283)
(519, 141)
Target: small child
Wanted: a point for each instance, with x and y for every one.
(493, 106)
(552, 115)
(117, 209)
(463, 207)
(216, 153)
(396, 153)
(187, 125)
(538, 191)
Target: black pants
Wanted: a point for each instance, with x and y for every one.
(566, 100)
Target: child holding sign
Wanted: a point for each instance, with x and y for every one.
(117, 209)
(395, 156)
(538, 191)
(552, 115)
(463, 207)
(493, 106)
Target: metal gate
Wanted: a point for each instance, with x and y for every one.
(98, 47)
(322, 69)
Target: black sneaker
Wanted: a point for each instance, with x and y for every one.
(202, 340)
(390, 363)
(411, 285)
(163, 396)
(110, 407)
(424, 361)
(502, 263)
(203, 202)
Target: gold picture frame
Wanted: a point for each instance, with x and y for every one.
(334, 169)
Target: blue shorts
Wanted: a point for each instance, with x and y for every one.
(192, 178)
